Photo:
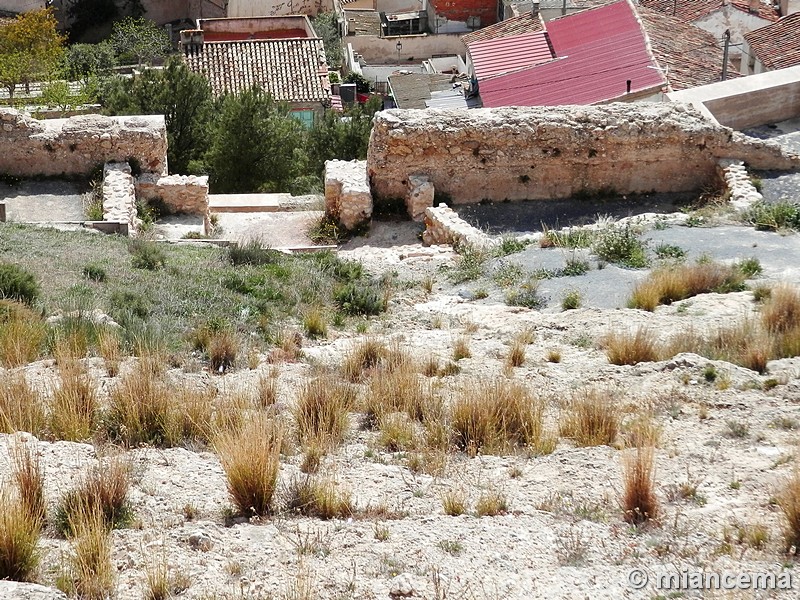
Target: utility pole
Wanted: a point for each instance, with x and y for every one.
(675, 8)
(725, 54)
(564, 8)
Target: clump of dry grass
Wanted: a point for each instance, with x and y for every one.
(250, 457)
(592, 417)
(321, 498)
(222, 350)
(103, 488)
(110, 349)
(21, 406)
(314, 323)
(28, 477)
(321, 413)
(642, 431)
(639, 502)
(491, 503)
(363, 358)
(73, 410)
(789, 501)
(22, 334)
(19, 538)
(399, 390)
(626, 348)
(461, 348)
(497, 416)
(90, 573)
(781, 312)
(268, 388)
(454, 502)
(396, 432)
(669, 284)
(289, 347)
(161, 581)
(144, 408)
(516, 354)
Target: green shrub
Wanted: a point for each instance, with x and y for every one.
(360, 299)
(18, 284)
(147, 255)
(773, 216)
(621, 246)
(94, 272)
(750, 267)
(470, 264)
(670, 251)
(526, 295)
(575, 267)
(251, 253)
(571, 300)
(123, 302)
(510, 245)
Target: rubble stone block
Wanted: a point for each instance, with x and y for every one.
(419, 197)
(348, 199)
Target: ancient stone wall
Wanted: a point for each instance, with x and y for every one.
(119, 196)
(186, 194)
(444, 226)
(556, 152)
(347, 196)
(75, 146)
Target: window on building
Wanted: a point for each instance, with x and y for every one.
(306, 117)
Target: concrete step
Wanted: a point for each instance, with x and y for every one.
(246, 203)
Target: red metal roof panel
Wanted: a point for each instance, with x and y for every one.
(599, 50)
(494, 57)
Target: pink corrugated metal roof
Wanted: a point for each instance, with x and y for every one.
(598, 50)
(493, 57)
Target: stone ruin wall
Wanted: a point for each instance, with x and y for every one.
(77, 145)
(555, 152)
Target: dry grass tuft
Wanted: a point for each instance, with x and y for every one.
(105, 489)
(22, 334)
(399, 390)
(19, 537)
(454, 502)
(222, 350)
(491, 503)
(789, 502)
(73, 411)
(625, 348)
(642, 431)
(321, 413)
(516, 354)
(321, 498)
(592, 418)
(639, 502)
(28, 477)
(268, 388)
(781, 312)
(90, 573)
(497, 416)
(250, 457)
(363, 358)
(21, 407)
(669, 284)
(162, 582)
(110, 349)
(396, 432)
(461, 348)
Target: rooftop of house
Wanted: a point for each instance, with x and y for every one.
(777, 45)
(256, 28)
(496, 56)
(692, 10)
(514, 26)
(363, 22)
(424, 90)
(689, 55)
(291, 70)
(598, 52)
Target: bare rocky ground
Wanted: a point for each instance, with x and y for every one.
(563, 535)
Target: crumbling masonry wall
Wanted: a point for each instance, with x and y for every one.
(76, 146)
(556, 152)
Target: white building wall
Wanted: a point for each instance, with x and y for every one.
(789, 7)
(739, 23)
(271, 8)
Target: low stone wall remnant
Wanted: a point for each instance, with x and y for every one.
(556, 152)
(444, 226)
(348, 199)
(184, 194)
(743, 193)
(119, 195)
(77, 145)
(419, 197)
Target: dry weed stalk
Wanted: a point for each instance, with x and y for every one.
(639, 502)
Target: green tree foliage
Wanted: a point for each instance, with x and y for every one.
(327, 27)
(362, 83)
(184, 99)
(256, 145)
(30, 49)
(82, 62)
(139, 40)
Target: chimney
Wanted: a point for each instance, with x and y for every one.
(192, 37)
(535, 8)
(754, 6)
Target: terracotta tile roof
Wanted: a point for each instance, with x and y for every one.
(513, 26)
(689, 56)
(598, 49)
(493, 57)
(777, 45)
(291, 70)
(692, 10)
(363, 22)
